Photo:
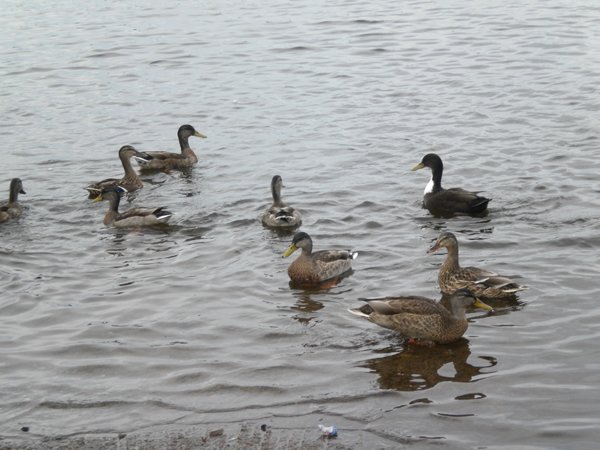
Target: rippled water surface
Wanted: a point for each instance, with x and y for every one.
(107, 331)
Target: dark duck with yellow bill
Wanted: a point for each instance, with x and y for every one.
(447, 202)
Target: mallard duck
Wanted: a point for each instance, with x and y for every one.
(483, 283)
(130, 181)
(11, 209)
(134, 217)
(314, 268)
(440, 201)
(174, 161)
(279, 215)
(421, 319)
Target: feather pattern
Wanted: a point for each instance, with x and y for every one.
(130, 181)
(483, 283)
(447, 202)
(133, 217)
(314, 268)
(422, 318)
(280, 215)
(11, 208)
(173, 161)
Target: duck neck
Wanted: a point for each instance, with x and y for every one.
(276, 191)
(435, 185)
(183, 142)
(457, 310)
(113, 208)
(14, 193)
(307, 249)
(451, 262)
(129, 171)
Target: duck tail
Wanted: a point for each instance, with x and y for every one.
(163, 215)
(358, 312)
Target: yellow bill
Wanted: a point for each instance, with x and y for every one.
(98, 199)
(479, 304)
(200, 135)
(291, 249)
(418, 166)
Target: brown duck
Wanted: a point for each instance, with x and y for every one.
(314, 268)
(130, 181)
(447, 202)
(173, 161)
(280, 215)
(421, 319)
(481, 282)
(133, 217)
(11, 209)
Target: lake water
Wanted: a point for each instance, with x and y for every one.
(196, 327)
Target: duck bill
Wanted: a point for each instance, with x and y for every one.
(479, 304)
(200, 135)
(22, 191)
(434, 248)
(291, 249)
(418, 166)
(97, 199)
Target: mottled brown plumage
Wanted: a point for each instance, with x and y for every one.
(481, 282)
(133, 217)
(130, 181)
(421, 318)
(280, 215)
(447, 202)
(173, 161)
(313, 268)
(11, 209)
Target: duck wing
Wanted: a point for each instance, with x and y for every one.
(162, 156)
(456, 200)
(405, 305)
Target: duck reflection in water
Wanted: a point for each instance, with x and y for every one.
(418, 368)
(306, 306)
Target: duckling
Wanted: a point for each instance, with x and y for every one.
(11, 209)
(279, 215)
(481, 282)
(130, 181)
(447, 202)
(173, 161)
(421, 319)
(134, 217)
(313, 268)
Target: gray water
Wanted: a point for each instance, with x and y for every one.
(110, 331)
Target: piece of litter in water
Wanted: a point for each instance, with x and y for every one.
(328, 431)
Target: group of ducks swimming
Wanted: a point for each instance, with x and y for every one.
(422, 320)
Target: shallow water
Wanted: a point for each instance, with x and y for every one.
(112, 331)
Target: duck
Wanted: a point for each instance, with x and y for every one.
(167, 161)
(448, 202)
(314, 268)
(423, 320)
(130, 182)
(134, 217)
(483, 283)
(11, 209)
(280, 215)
